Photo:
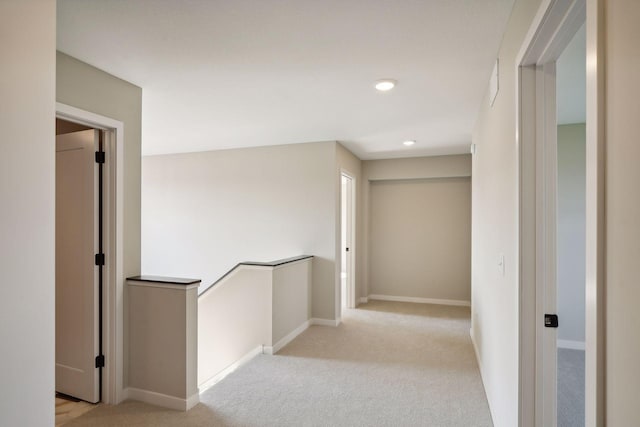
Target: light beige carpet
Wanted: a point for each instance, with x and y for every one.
(570, 388)
(387, 364)
(69, 408)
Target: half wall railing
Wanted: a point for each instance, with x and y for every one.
(256, 307)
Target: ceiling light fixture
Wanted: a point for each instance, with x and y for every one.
(409, 143)
(385, 85)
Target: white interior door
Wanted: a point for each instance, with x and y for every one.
(348, 288)
(343, 242)
(76, 272)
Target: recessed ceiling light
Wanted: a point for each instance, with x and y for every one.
(385, 85)
(409, 143)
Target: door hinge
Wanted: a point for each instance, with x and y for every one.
(99, 259)
(550, 320)
(100, 361)
(100, 157)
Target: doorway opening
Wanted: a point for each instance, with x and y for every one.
(570, 230)
(347, 242)
(561, 215)
(110, 133)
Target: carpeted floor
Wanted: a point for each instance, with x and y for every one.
(387, 364)
(68, 408)
(570, 388)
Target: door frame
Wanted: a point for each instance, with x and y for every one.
(551, 30)
(113, 238)
(351, 278)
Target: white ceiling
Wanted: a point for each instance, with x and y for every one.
(238, 73)
(571, 80)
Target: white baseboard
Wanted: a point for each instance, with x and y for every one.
(193, 400)
(572, 345)
(421, 300)
(364, 300)
(475, 351)
(286, 340)
(324, 322)
(229, 369)
(162, 400)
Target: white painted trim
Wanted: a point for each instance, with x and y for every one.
(324, 322)
(550, 31)
(113, 292)
(163, 285)
(163, 400)
(364, 300)
(571, 345)
(426, 178)
(286, 340)
(595, 338)
(420, 300)
(477, 354)
(207, 384)
(193, 400)
(87, 118)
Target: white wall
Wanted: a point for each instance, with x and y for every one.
(234, 318)
(571, 233)
(163, 328)
(622, 212)
(27, 227)
(418, 167)
(420, 238)
(415, 168)
(253, 309)
(205, 212)
(291, 297)
(82, 86)
(495, 297)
